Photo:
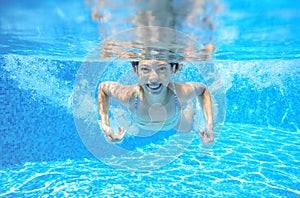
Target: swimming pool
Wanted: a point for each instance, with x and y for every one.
(43, 45)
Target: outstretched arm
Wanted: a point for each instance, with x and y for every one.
(104, 92)
(205, 99)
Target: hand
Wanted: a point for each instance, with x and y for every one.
(207, 136)
(112, 136)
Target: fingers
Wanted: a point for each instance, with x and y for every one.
(202, 134)
(122, 132)
(116, 137)
(112, 136)
(203, 137)
(206, 137)
(109, 139)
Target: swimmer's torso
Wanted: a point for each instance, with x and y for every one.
(163, 115)
(156, 116)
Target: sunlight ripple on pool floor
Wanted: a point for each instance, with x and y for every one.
(258, 163)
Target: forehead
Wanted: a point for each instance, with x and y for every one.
(153, 62)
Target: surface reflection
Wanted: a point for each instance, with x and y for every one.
(195, 18)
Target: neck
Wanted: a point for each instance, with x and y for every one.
(160, 98)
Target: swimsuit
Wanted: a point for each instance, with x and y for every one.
(167, 123)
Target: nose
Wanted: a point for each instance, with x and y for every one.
(153, 76)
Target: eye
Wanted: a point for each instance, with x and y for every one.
(162, 69)
(144, 69)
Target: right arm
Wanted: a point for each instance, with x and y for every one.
(103, 103)
(105, 91)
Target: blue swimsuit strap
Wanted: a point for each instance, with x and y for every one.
(166, 122)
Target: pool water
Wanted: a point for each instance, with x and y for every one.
(256, 154)
(248, 160)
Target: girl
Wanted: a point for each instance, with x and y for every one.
(156, 103)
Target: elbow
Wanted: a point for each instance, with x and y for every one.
(101, 85)
(206, 90)
(204, 94)
(203, 90)
(102, 89)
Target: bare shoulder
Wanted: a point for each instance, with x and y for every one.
(189, 90)
(118, 91)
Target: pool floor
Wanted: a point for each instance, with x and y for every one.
(245, 161)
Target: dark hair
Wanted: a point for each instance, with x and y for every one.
(136, 63)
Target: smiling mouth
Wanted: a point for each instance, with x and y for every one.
(154, 87)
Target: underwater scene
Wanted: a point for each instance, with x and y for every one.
(54, 54)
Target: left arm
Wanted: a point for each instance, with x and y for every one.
(191, 90)
(204, 98)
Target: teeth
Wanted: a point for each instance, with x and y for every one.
(154, 86)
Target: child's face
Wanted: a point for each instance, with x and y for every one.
(154, 75)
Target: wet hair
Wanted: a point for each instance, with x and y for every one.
(135, 65)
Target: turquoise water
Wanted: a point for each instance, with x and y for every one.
(43, 46)
(248, 160)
